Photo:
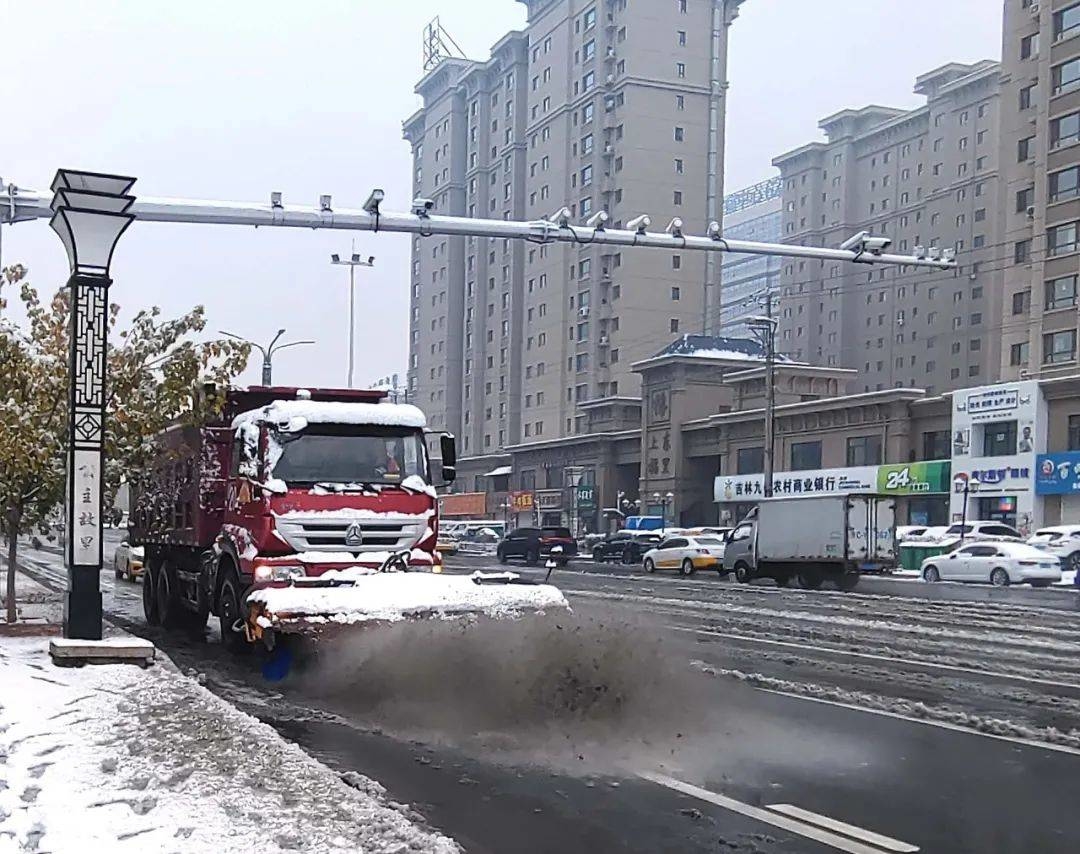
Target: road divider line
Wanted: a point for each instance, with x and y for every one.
(809, 831)
(914, 662)
(823, 821)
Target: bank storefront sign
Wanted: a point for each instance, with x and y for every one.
(1057, 474)
(894, 479)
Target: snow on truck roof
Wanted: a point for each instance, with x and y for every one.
(334, 412)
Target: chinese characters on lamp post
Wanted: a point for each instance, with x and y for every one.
(89, 215)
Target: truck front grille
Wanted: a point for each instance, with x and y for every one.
(329, 534)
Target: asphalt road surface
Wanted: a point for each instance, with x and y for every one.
(696, 714)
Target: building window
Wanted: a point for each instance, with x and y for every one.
(588, 50)
(750, 461)
(1061, 239)
(1059, 347)
(1066, 21)
(676, 293)
(1065, 76)
(1018, 354)
(999, 439)
(1061, 293)
(678, 166)
(680, 134)
(1065, 130)
(1074, 433)
(1027, 94)
(1065, 184)
(1022, 252)
(680, 69)
(935, 445)
(864, 451)
(1025, 198)
(677, 198)
(1029, 46)
(1021, 302)
(1024, 149)
(805, 456)
(673, 325)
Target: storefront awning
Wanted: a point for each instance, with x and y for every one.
(500, 471)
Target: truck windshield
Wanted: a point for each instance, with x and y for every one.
(341, 455)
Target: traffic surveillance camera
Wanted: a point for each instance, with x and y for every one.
(325, 202)
(714, 231)
(372, 203)
(920, 251)
(949, 255)
(335, 258)
(935, 253)
(855, 242)
(561, 217)
(597, 220)
(674, 228)
(422, 207)
(275, 199)
(876, 245)
(639, 223)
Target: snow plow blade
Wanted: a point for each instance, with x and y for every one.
(316, 606)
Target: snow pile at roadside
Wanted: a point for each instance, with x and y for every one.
(395, 596)
(113, 758)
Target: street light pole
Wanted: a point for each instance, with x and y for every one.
(352, 263)
(90, 212)
(971, 484)
(267, 352)
(765, 328)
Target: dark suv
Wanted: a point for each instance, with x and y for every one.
(535, 543)
(625, 546)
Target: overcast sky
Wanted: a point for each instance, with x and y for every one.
(231, 99)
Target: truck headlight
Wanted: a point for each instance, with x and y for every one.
(278, 572)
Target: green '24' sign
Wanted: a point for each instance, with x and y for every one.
(914, 478)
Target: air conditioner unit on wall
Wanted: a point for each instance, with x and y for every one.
(583, 311)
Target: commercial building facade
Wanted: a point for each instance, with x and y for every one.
(753, 213)
(595, 105)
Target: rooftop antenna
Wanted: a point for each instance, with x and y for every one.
(438, 45)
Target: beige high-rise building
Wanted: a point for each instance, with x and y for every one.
(926, 177)
(596, 105)
(1040, 202)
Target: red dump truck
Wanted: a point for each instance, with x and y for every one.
(291, 487)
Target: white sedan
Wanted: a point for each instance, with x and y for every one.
(999, 564)
(686, 554)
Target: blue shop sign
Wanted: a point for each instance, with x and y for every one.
(1057, 474)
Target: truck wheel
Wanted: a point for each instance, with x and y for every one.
(687, 567)
(782, 580)
(809, 579)
(230, 610)
(742, 573)
(167, 593)
(149, 594)
(847, 582)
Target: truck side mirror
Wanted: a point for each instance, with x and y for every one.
(449, 457)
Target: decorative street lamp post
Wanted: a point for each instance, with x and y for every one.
(89, 214)
(970, 485)
(267, 352)
(352, 262)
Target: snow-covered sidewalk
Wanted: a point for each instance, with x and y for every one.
(117, 758)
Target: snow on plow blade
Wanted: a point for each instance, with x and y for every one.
(391, 597)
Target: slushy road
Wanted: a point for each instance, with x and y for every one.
(775, 721)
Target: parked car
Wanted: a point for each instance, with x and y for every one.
(687, 554)
(625, 546)
(447, 544)
(995, 531)
(532, 544)
(1062, 541)
(128, 560)
(999, 563)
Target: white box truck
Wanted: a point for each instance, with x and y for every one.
(814, 539)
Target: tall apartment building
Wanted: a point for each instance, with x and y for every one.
(1040, 201)
(596, 105)
(925, 177)
(753, 213)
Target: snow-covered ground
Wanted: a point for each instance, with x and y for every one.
(117, 758)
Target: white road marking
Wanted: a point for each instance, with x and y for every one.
(1025, 742)
(809, 831)
(955, 668)
(886, 842)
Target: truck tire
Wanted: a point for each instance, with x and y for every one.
(743, 573)
(230, 610)
(167, 594)
(847, 581)
(809, 579)
(149, 594)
